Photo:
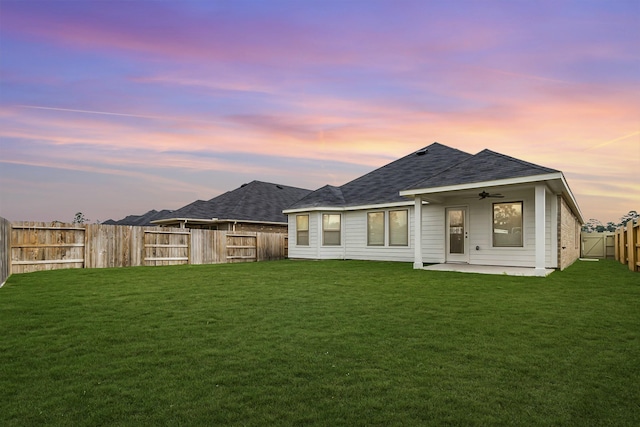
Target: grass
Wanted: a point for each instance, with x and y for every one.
(320, 343)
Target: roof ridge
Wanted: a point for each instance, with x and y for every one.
(413, 153)
(327, 187)
(243, 192)
(471, 156)
(275, 184)
(523, 162)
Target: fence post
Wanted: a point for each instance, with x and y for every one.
(631, 246)
(5, 250)
(620, 233)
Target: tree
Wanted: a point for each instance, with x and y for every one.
(631, 216)
(593, 226)
(611, 227)
(80, 218)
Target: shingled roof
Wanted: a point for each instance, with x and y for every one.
(384, 184)
(485, 166)
(140, 220)
(255, 201)
(433, 166)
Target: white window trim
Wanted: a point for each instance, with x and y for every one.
(308, 230)
(387, 227)
(385, 236)
(389, 220)
(522, 214)
(341, 237)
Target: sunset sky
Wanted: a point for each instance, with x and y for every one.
(113, 108)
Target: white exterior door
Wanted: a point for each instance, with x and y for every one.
(457, 246)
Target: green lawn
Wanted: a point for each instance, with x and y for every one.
(320, 343)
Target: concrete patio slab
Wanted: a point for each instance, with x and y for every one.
(486, 269)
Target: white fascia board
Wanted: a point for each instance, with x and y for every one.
(379, 206)
(474, 185)
(312, 209)
(572, 200)
(247, 221)
(172, 220)
(212, 221)
(348, 208)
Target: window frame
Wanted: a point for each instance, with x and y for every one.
(325, 230)
(384, 228)
(405, 242)
(298, 230)
(493, 225)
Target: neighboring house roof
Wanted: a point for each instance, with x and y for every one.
(255, 201)
(384, 184)
(140, 220)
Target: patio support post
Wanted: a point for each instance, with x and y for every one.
(417, 233)
(540, 240)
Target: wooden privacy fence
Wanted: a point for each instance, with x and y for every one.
(628, 245)
(5, 250)
(46, 246)
(597, 245)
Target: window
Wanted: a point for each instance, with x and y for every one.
(375, 229)
(331, 229)
(507, 224)
(456, 230)
(398, 228)
(302, 230)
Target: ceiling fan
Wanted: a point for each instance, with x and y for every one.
(484, 195)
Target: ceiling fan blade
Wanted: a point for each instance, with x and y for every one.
(484, 195)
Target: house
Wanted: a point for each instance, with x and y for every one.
(441, 205)
(256, 206)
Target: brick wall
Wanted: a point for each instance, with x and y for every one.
(263, 228)
(569, 232)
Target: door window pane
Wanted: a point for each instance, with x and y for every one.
(507, 224)
(399, 228)
(456, 231)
